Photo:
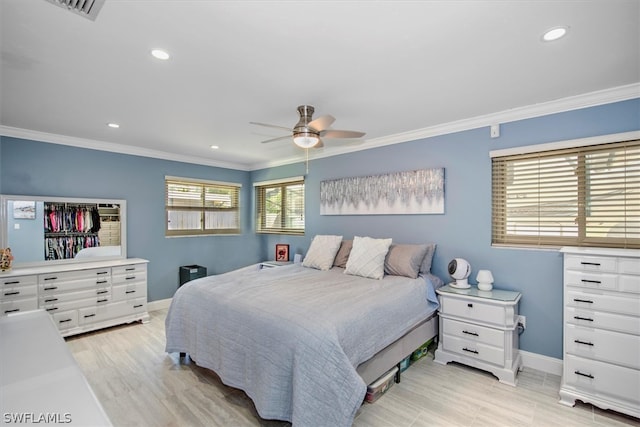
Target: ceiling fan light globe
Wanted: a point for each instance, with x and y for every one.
(305, 141)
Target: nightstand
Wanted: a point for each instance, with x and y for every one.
(480, 329)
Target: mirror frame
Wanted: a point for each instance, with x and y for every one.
(4, 222)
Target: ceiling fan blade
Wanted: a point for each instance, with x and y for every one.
(322, 122)
(332, 133)
(271, 126)
(277, 139)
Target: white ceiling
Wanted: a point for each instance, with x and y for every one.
(393, 69)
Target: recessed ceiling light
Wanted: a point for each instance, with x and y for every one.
(554, 34)
(113, 125)
(214, 147)
(160, 54)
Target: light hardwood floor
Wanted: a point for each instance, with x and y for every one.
(140, 385)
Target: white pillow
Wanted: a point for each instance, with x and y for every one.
(367, 257)
(322, 252)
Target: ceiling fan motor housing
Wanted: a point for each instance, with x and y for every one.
(304, 135)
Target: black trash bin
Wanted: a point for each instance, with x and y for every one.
(191, 272)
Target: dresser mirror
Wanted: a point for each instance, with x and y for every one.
(47, 230)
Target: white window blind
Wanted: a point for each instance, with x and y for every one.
(198, 207)
(280, 206)
(577, 196)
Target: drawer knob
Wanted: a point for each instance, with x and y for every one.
(583, 342)
(12, 282)
(52, 309)
(50, 288)
(12, 311)
(584, 375)
(470, 305)
(583, 300)
(137, 306)
(51, 300)
(89, 315)
(12, 293)
(64, 320)
(591, 281)
(470, 333)
(470, 351)
(583, 318)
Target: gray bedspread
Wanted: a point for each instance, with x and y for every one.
(291, 337)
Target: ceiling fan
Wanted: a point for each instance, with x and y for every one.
(307, 132)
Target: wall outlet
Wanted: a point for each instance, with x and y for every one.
(522, 320)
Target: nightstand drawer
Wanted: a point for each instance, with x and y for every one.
(473, 332)
(474, 350)
(475, 311)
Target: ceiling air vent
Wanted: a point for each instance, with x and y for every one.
(87, 8)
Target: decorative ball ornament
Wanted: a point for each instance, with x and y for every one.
(460, 270)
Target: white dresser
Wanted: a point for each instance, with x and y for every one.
(479, 329)
(601, 354)
(80, 297)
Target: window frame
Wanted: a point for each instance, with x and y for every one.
(586, 232)
(261, 213)
(202, 207)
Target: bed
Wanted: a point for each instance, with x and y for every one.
(302, 342)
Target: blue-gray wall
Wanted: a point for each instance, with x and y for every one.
(43, 169)
(464, 230)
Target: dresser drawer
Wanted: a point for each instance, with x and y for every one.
(629, 283)
(123, 270)
(128, 291)
(602, 379)
(605, 346)
(18, 281)
(130, 277)
(629, 266)
(473, 349)
(16, 305)
(581, 279)
(112, 310)
(591, 263)
(66, 319)
(54, 307)
(476, 311)
(623, 304)
(473, 332)
(56, 284)
(72, 276)
(602, 320)
(18, 292)
(63, 297)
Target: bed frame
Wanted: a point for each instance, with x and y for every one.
(394, 353)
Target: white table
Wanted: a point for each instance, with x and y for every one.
(40, 381)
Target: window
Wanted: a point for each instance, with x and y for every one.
(198, 207)
(576, 196)
(280, 206)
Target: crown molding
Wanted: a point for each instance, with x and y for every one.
(592, 99)
(93, 144)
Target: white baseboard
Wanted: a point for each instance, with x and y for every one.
(547, 364)
(536, 361)
(159, 304)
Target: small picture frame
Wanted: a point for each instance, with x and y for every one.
(282, 252)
